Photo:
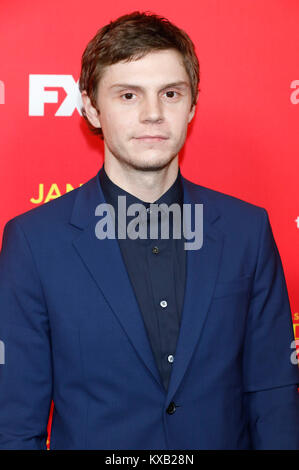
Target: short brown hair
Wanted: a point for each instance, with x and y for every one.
(131, 37)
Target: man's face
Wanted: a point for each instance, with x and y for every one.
(146, 97)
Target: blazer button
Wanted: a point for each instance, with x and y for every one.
(171, 408)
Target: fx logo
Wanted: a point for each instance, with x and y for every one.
(38, 95)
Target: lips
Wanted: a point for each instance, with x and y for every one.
(151, 138)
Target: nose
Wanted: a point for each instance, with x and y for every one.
(151, 109)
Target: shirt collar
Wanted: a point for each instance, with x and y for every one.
(111, 192)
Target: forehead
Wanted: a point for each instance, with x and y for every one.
(153, 69)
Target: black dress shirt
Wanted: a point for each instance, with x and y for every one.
(157, 270)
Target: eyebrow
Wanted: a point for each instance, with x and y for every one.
(179, 84)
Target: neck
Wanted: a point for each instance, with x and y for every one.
(147, 185)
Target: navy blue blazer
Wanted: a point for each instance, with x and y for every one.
(73, 332)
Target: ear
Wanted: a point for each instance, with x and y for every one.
(191, 114)
(91, 112)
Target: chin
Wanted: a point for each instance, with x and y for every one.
(155, 164)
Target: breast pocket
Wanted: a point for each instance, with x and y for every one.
(241, 285)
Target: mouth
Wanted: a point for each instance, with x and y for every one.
(151, 138)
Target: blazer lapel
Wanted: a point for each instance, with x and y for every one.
(103, 260)
(201, 273)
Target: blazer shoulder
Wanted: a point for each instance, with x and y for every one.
(223, 201)
(54, 211)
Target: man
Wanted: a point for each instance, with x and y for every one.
(140, 342)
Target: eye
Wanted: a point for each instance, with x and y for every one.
(171, 93)
(128, 96)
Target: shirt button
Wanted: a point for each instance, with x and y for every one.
(163, 303)
(155, 250)
(170, 358)
(171, 408)
(148, 210)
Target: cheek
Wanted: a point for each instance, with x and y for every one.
(121, 117)
(178, 118)
(113, 124)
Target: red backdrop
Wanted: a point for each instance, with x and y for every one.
(243, 140)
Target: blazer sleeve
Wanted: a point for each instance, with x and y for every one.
(270, 374)
(26, 371)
